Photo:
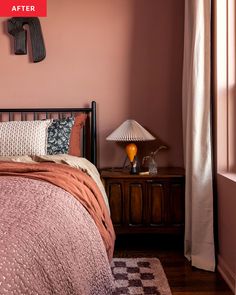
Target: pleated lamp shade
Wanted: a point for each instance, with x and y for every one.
(130, 130)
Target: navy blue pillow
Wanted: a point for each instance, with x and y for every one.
(59, 136)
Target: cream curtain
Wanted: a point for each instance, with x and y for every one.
(199, 237)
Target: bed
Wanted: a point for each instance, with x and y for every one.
(56, 235)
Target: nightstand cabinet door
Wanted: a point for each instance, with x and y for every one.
(135, 203)
(156, 203)
(116, 201)
(176, 204)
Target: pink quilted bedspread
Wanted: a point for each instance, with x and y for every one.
(49, 244)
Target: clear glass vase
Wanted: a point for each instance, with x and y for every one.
(152, 166)
(150, 162)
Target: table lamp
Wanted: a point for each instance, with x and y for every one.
(130, 131)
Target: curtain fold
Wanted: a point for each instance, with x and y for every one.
(196, 104)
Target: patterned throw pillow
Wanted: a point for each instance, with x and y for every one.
(59, 136)
(18, 138)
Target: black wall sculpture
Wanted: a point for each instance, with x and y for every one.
(16, 29)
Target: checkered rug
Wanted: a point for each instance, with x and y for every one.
(139, 276)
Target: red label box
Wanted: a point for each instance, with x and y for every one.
(23, 8)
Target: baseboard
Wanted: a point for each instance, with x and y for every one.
(226, 273)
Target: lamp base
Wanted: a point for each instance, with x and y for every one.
(134, 167)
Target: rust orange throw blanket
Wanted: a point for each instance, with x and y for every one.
(77, 183)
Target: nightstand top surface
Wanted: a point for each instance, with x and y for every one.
(124, 173)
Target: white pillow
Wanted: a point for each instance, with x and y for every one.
(18, 138)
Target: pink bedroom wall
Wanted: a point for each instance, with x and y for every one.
(125, 54)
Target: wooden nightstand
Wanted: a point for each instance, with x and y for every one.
(144, 203)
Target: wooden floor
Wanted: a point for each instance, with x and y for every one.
(183, 279)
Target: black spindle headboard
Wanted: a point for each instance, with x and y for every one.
(89, 145)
